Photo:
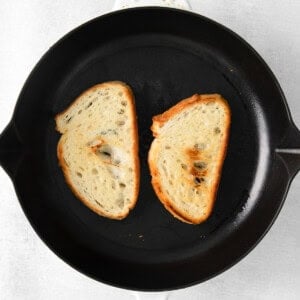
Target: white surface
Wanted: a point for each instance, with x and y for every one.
(29, 270)
(121, 4)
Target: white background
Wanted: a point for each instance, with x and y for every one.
(29, 270)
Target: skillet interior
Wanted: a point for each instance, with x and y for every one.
(170, 55)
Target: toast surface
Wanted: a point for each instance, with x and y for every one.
(187, 155)
(98, 149)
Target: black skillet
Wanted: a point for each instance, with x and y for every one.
(165, 55)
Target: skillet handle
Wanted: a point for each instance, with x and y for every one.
(181, 4)
(289, 150)
(10, 149)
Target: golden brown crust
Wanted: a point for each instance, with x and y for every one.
(64, 168)
(158, 122)
(135, 143)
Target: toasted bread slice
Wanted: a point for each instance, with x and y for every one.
(187, 155)
(98, 149)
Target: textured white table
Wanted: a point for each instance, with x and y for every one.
(29, 270)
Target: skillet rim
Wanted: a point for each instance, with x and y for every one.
(43, 59)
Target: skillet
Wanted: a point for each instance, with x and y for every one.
(165, 55)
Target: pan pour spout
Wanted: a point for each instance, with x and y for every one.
(289, 150)
(10, 149)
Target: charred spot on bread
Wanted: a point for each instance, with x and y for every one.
(200, 165)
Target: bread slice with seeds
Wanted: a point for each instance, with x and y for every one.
(187, 155)
(98, 149)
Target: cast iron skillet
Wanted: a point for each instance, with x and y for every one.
(165, 55)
